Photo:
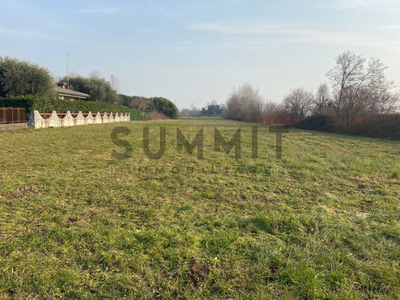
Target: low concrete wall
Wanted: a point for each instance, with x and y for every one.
(36, 120)
(16, 126)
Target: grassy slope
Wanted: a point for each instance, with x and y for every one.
(321, 223)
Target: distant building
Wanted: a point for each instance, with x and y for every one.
(66, 94)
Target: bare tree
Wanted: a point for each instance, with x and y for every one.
(140, 103)
(298, 103)
(245, 104)
(95, 74)
(185, 112)
(270, 109)
(193, 111)
(115, 83)
(275, 112)
(193, 106)
(360, 88)
(322, 99)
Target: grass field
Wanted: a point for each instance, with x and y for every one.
(75, 223)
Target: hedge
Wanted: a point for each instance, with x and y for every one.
(317, 122)
(380, 126)
(165, 107)
(47, 105)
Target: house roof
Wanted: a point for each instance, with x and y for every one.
(66, 92)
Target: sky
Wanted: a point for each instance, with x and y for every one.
(193, 52)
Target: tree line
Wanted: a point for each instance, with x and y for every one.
(358, 90)
(23, 78)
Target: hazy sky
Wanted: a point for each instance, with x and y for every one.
(197, 51)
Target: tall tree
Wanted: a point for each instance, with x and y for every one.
(360, 87)
(115, 83)
(322, 99)
(20, 77)
(245, 104)
(98, 88)
(298, 103)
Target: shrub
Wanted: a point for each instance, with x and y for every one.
(317, 122)
(165, 107)
(155, 115)
(159, 104)
(383, 126)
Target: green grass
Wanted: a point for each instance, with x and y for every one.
(322, 223)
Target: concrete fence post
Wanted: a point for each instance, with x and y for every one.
(89, 118)
(105, 118)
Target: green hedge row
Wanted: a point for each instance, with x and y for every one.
(47, 105)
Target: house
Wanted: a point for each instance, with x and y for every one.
(66, 94)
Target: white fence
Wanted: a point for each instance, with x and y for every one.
(36, 120)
